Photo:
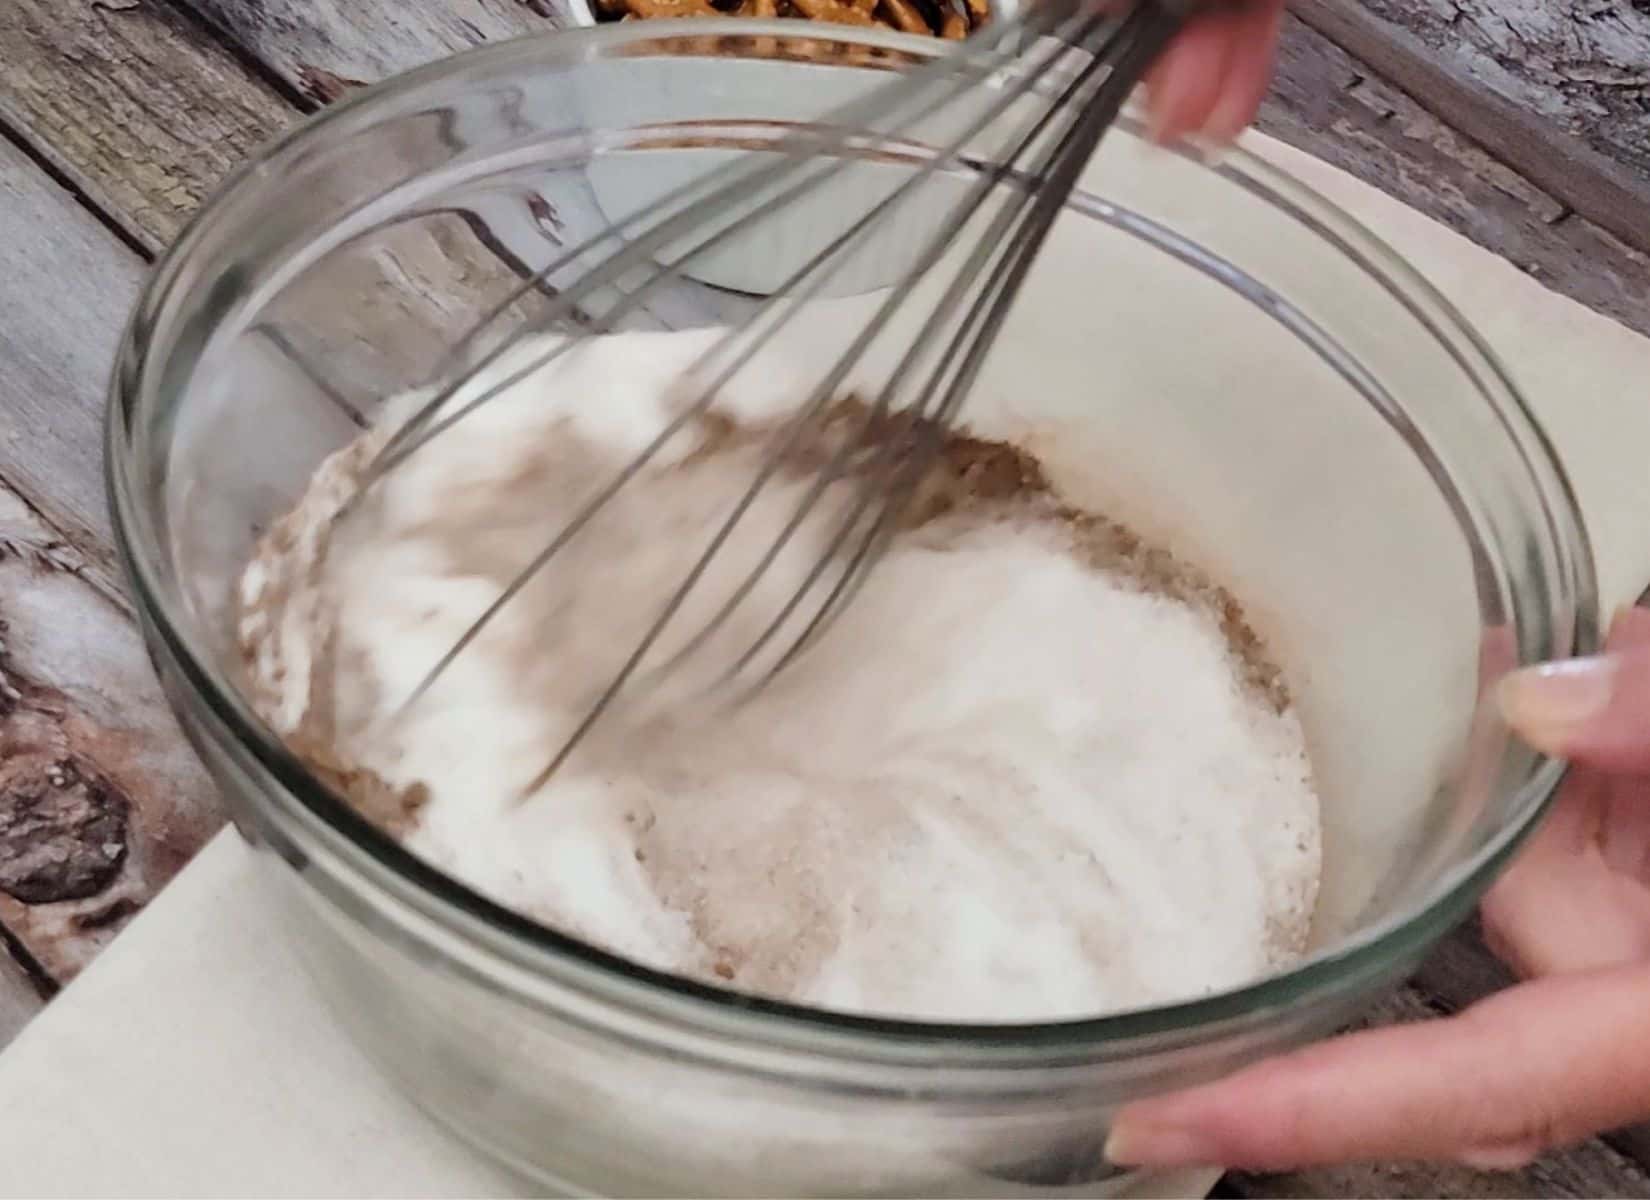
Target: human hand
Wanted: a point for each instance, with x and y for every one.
(1212, 79)
(1553, 1060)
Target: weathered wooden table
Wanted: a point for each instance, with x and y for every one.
(1524, 124)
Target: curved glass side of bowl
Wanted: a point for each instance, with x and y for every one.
(1214, 356)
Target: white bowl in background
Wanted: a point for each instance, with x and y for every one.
(578, 13)
(758, 264)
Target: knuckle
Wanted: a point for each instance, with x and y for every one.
(1540, 1128)
(1529, 1121)
(1501, 921)
(1516, 1142)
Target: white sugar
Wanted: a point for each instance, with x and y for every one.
(1008, 786)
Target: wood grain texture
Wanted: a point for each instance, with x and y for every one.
(1580, 66)
(142, 111)
(101, 802)
(65, 293)
(1324, 102)
(1330, 104)
(1610, 189)
(320, 47)
(143, 114)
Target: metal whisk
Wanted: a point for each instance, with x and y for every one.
(1049, 133)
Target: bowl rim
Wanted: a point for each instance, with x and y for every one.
(328, 829)
(581, 14)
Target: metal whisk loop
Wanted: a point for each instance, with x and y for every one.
(970, 205)
(911, 97)
(1033, 176)
(797, 289)
(1143, 34)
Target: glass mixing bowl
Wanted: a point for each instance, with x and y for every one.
(1212, 352)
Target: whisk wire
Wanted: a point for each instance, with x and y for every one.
(968, 347)
(1041, 165)
(390, 456)
(1097, 115)
(824, 139)
(878, 412)
(811, 411)
(1045, 194)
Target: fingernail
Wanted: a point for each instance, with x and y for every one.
(1211, 152)
(1157, 121)
(1549, 704)
(1132, 1144)
(1227, 121)
(1497, 1158)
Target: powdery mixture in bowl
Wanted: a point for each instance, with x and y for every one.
(1037, 770)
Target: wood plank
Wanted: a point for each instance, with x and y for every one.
(1328, 103)
(320, 49)
(133, 104)
(1590, 1169)
(101, 801)
(142, 111)
(1325, 102)
(77, 71)
(1462, 971)
(1609, 192)
(1582, 65)
(1493, 106)
(66, 292)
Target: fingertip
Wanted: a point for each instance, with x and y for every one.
(1594, 710)
(1159, 110)
(1630, 627)
(1165, 106)
(1236, 109)
(1136, 1143)
(1551, 705)
(1248, 71)
(1243, 1120)
(1184, 87)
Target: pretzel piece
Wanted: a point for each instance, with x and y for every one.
(905, 17)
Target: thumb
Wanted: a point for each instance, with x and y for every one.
(1541, 1065)
(1595, 711)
